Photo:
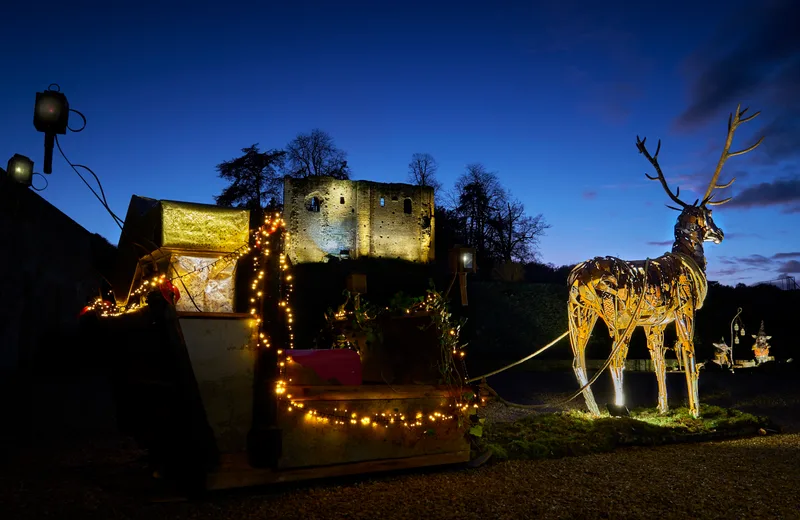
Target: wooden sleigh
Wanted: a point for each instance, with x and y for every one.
(197, 391)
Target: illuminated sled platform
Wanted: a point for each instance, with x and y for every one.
(217, 406)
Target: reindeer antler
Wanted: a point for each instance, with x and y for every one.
(733, 123)
(654, 161)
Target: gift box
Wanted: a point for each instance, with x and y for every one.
(195, 245)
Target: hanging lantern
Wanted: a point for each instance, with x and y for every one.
(736, 340)
(736, 327)
(50, 116)
(20, 169)
(741, 332)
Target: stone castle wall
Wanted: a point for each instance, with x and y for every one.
(326, 216)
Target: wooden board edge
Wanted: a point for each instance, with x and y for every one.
(247, 477)
(366, 392)
(215, 315)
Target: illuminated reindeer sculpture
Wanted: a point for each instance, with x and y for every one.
(650, 293)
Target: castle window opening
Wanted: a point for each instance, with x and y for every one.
(313, 204)
(383, 202)
(407, 206)
(341, 200)
(394, 197)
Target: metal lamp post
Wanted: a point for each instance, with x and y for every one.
(737, 329)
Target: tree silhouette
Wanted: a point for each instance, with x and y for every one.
(422, 171)
(516, 235)
(478, 195)
(315, 154)
(255, 182)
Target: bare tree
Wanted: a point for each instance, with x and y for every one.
(478, 195)
(315, 154)
(516, 235)
(422, 171)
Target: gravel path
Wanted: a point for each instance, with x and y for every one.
(89, 478)
(746, 478)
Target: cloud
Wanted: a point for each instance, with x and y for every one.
(755, 260)
(767, 47)
(738, 236)
(589, 195)
(753, 58)
(772, 266)
(728, 271)
(784, 191)
(664, 243)
(792, 266)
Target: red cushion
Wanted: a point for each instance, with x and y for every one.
(324, 367)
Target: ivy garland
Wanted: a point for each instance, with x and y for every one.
(451, 365)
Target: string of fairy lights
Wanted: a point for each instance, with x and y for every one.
(458, 406)
(338, 416)
(136, 301)
(226, 260)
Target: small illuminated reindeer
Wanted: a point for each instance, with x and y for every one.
(650, 293)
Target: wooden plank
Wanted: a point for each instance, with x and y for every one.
(222, 353)
(235, 472)
(310, 441)
(365, 392)
(215, 315)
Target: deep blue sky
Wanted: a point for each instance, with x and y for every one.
(550, 98)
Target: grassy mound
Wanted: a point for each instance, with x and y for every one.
(563, 434)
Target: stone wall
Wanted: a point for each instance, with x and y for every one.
(326, 216)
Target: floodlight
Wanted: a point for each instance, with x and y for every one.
(618, 410)
(20, 169)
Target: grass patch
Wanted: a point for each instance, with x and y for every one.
(554, 435)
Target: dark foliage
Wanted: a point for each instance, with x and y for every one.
(507, 321)
(322, 286)
(255, 181)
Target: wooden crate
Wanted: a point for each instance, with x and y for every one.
(308, 442)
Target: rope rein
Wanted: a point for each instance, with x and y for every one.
(614, 351)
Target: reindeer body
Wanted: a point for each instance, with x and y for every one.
(669, 281)
(650, 293)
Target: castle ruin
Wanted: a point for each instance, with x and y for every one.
(350, 219)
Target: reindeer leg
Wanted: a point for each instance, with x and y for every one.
(617, 366)
(581, 322)
(655, 343)
(684, 323)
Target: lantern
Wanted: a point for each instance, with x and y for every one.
(50, 116)
(462, 261)
(20, 169)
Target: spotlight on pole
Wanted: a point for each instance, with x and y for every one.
(20, 170)
(50, 116)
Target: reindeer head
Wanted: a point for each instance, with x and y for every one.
(695, 219)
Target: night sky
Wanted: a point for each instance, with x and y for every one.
(550, 98)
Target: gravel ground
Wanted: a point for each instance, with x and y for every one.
(89, 476)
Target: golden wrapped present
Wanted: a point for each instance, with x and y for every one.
(195, 245)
